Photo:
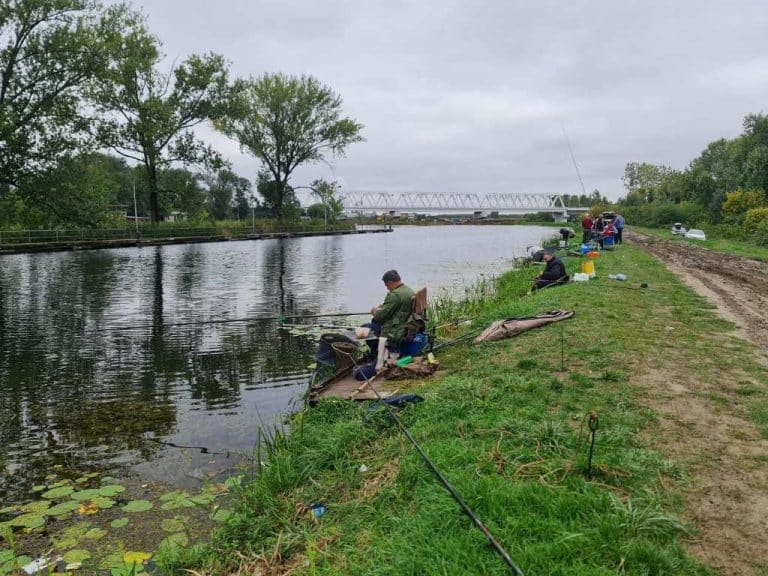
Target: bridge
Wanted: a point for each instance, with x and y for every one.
(442, 203)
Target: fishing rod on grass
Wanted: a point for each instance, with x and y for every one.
(443, 480)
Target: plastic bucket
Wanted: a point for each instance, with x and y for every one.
(608, 243)
(588, 267)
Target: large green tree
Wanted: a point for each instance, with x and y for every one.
(50, 51)
(224, 188)
(148, 115)
(287, 121)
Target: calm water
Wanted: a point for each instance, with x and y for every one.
(78, 391)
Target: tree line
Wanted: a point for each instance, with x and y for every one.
(89, 114)
(724, 187)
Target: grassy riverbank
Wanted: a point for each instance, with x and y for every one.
(713, 242)
(505, 424)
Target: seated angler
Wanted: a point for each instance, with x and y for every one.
(390, 320)
(553, 274)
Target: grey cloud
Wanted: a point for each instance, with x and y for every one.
(459, 96)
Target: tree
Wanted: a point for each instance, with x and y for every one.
(50, 51)
(327, 193)
(285, 122)
(148, 116)
(281, 203)
(224, 188)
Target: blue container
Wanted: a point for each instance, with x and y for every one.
(414, 347)
(584, 248)
(608, 243)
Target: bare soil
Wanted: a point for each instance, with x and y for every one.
(727, 457)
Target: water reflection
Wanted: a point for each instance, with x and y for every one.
(82, 390)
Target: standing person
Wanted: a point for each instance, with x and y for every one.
(586, 228)
(599, 225)
(391, 318)
(619, 225)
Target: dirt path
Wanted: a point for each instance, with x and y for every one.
(723, 449)
(737, 286)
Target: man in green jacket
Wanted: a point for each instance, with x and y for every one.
(393, 314)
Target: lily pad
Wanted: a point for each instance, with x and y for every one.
(60, 483)
(36, 507)
(104, 503)
(62, 508)
(176, 499)
(172, 525)
(8, 509)
(39, 488)
(70, 536)
(87, 509)
(95, 534)
(119, 523)
(175, 540)
(138, 506)
(14, 565)
(32, 520)
(136, 557)
(83, 495)
(111, 491)
(112, 560)
(58, 492)
(76, 556)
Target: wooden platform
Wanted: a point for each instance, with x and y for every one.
(348, 388)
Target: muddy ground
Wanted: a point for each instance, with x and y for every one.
(725, 452)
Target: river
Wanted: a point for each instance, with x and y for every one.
(93, 378)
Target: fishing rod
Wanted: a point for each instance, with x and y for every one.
(235, 320)
(573, 158)
(443, 480)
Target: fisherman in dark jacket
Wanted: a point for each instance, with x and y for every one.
(554, 273)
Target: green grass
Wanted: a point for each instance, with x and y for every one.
(724, 245)
(505, 425)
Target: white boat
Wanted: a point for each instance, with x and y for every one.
(696, 234)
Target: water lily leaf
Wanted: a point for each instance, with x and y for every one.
(39, 488)
(203, 499)
(85, 495)
(136, 557)
(60, 483)
(119, 523)
(111, 491)
(104, 503)
(107, 479)
(58, 492)
(62, 508)
(138, 506)
(31, 521)
(50, 477)
(95, 534)
(221, 515)
(36, 507)
(112, 560)
(14, 565)
(76, 556)
(172, 525)
(8, 509)
(70, 536)
(87, 508)
(176, 499)
(175, 540)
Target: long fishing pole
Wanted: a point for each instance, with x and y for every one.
(443, 480)
(573, 158)
(233, 320)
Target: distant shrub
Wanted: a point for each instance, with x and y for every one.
(754, 218)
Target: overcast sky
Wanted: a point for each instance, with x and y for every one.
(471, 96)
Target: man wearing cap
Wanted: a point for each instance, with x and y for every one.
(393, 314)
(554, 273)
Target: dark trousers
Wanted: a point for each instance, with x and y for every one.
(541, 283)
(618, 235)
(587, 235)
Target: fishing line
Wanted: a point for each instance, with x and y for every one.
(443, 480)
(233, 320)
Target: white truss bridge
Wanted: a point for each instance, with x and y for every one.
(441, 203)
